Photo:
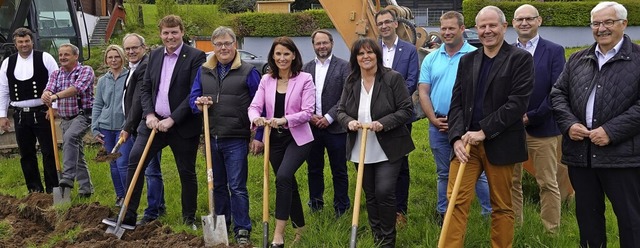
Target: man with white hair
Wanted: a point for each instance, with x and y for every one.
(595, 102)
(489, 98)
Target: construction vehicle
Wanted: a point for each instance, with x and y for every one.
(355, 19)
(53, 22)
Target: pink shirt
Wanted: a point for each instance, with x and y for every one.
(168, 64)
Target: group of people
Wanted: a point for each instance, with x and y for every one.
(507, 102)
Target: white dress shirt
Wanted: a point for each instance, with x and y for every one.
(321, 74)
(388, 53)
(23, 71)
(374, 152)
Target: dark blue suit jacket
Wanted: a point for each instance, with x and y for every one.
(549, 61)
(333, 83)
(405, 61)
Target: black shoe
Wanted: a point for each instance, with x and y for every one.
(119, 201)
(439, 219)
(191, 224)
(67, 183)
(35, 191)
(273, 245)
(145, 220)
(84, 195)
(126, 221)
(242, 237)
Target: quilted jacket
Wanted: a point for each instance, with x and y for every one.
(616, 107)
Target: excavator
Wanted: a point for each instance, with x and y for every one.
(355, 19)
(53, 22)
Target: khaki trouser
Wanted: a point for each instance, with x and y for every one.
(499, 177)
(542, 153)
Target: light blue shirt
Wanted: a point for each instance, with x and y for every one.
(439, 70)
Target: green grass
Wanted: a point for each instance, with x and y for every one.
(323, 230)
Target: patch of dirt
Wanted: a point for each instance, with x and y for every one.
(34, 222)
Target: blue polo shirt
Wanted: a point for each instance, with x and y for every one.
(439, 70)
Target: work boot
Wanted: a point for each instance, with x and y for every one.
(66, 183)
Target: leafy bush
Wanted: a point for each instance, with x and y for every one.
(280, 24)
(556, 13)
(236, 6)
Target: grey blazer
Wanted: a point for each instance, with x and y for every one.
(333, 83)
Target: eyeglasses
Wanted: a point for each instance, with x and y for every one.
(528, 19)
(606, 24)
(128, 49)
(385, 22)
(224, 44)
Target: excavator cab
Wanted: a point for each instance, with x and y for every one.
(53, 22)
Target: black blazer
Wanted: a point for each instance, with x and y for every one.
(390, 105)
(132, 106)
(333, 83)
(507, 91)
(189, 61)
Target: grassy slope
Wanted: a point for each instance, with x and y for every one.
(323, 230)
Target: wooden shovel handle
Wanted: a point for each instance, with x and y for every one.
(265, 183)
(356, 201)
(54, 137)
(452, 201)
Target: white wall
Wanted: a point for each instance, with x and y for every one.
(91, 21)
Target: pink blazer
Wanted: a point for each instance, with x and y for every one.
(299, 104)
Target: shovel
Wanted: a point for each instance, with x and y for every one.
(452, 201)
(356, 201)
(103, 156)
(265, 187)
(118, 228)
(60, 194)
(214, 229)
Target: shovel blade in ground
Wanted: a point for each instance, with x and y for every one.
(214, 230)
(61, 195)
(114, 229)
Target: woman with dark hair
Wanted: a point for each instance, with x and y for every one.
(288, 96)
(376, 95)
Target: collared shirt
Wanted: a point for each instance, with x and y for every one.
(439, 70)
(321, 74)
(530, 46)
(23, 71)
(132, 68)
(168, 65)
(81, 77)
(602, 59)
(374, 152)
(388, 53)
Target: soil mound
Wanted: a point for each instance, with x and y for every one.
(32, 221)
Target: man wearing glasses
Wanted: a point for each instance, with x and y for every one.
(226, 85)
(543, 136)
(136, 51)
(401, 56)
(595, 102)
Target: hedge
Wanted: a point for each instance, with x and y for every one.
(569, 13)
(280, 24)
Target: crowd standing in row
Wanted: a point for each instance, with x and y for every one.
(508, 102)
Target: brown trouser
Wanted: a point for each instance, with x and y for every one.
(499, 177)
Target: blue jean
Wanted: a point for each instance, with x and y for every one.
(336, 150)
(119, 166)
(230, 171)
(155, 187)
(441, 149)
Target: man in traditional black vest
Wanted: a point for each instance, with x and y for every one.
(226, 84)
(20, 88)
